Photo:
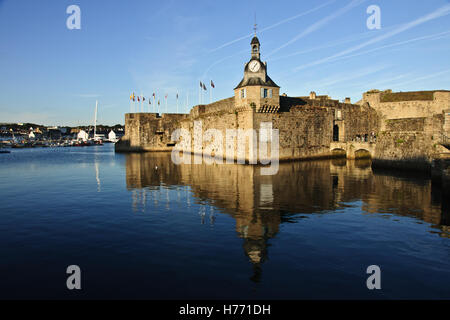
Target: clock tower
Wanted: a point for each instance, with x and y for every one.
(256, 89)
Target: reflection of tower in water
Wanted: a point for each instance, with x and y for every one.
(259, 204)
(236, 190)
(256, 228)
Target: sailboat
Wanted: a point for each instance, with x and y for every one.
(96, 139)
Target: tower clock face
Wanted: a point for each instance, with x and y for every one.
(254, 66)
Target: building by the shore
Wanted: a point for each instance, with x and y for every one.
(406, 129)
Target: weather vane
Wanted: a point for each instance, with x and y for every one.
(256, 26)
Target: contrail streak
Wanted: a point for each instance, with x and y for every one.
(424, 77)
(221, 60)
(432, 37)
(442, 11)
(329, 45)
(342, 78)
(274, 25)
(319, 24)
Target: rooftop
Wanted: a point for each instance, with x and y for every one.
(257, 82)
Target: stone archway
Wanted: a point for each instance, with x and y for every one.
(362, 154)
(338, 153)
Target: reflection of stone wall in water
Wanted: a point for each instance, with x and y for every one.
(409, 196)
(259, 204)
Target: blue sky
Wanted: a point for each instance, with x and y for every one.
(52, 75)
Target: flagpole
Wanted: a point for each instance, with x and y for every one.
(210, 95)
(177, 102)
(187, 102)
(154, 106)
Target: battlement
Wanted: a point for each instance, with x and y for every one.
(221, 105)
(413, 104)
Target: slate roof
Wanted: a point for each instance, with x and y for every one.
(255, 40)
(257, 82)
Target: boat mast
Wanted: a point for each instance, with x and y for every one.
(95, 119)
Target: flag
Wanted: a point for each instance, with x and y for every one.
(177, 95)
(149, 101)
(132, 96)
(166, 96)
(212, 84)
(153, 94)
(158, 102)
(204, 87)
(143, 98)
(138, 99)
(201, 84)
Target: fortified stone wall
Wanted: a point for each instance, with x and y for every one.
(400, 105)
(305, 128)
(221, 120)
(410, 143)
(149, 132)
(356, 123)
(304, 132)
(225, 105)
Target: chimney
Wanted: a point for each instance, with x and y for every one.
(312, 95)
(347, 100)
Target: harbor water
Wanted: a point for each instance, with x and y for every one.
(139, 226)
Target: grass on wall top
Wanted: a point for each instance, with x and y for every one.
(407, 96)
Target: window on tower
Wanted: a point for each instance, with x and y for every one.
(243, 93)
(255, 48)
(264, 93)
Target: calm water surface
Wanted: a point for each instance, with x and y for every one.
(199, 231)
